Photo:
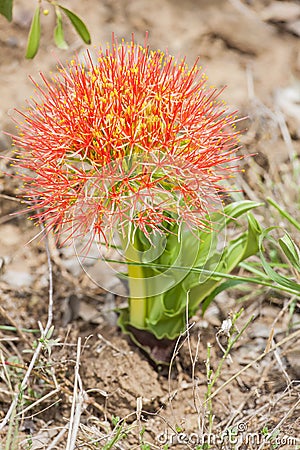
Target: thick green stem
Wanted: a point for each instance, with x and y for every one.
(137, 305)
(137, 287)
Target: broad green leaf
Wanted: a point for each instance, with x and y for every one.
(254, 231)
(77, 23)
(290, 250)
(34, 35)
(166, 312)
(6, 9)
(59, 32)
(236, 251)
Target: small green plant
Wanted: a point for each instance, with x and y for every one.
(271, 436)
(29, 442)
(119, 432)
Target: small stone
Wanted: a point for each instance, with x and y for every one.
(17, 279)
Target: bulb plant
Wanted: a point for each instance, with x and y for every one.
(136, 144)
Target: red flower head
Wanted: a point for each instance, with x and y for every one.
(135, 139)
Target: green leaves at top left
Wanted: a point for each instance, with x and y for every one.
(33, 41)
(6, 9)
(34, 35)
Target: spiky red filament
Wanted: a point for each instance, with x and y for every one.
(130, 139)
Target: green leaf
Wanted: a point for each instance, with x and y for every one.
(276, 277)
(236, 251)
(34, 35)
(165, 312)
(254, 231)
(59, 32)
(290, 250)
(77, 23)
(284, 213)
(237, 209)
(6, 9)
(231, 212)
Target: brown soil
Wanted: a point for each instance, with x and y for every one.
(253, 48)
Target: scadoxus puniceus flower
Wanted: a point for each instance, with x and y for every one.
(134, 139)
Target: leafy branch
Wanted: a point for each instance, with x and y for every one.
(33, 42)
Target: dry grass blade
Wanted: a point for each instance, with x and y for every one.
(77, 403)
